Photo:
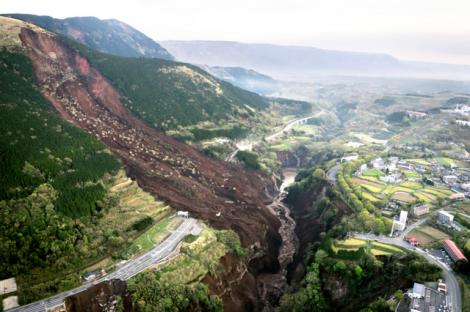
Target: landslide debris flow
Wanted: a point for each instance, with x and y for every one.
(169, 169)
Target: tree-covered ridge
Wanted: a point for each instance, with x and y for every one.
(109, 36)
(169, 94)
(37, 147)
(51, 189)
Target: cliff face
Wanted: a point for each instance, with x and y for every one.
(169, 169)
(312, 219)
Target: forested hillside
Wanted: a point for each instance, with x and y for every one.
(109, 36)
(51, 177)
(169, 94)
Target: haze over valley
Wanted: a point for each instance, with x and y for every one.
(268, 156)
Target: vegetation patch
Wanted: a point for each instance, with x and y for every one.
(373, 173)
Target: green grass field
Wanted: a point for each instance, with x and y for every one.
(445, 161)
(419, 161)
(376, 248)
(197, 257)
(411, 174)
(373, 173)
(155, 234)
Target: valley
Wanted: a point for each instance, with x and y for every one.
(134, 182)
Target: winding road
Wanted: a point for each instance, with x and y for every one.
(247, 145)
(131, 268)
(454, 297)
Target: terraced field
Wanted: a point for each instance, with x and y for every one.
(376, 248)
(427, 235)
(407, 191)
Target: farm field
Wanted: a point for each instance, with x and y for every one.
(406, 191)
(196, 258)
(154, 235)
(376, 248)
(428, 235)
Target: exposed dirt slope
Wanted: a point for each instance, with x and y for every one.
(161, 165)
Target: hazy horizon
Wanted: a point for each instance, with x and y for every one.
(426, 31)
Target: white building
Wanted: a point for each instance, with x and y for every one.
(445, 217)
(400, 223)
(183, 214)
(418, 291)
(450, 179)
(378, 163)
(465, 187)
(8, 286)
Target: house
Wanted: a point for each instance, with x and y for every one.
(362, 169)
(420, 210)
(457, 197)
(442, 287)
(450, 179)
(454, 252)
(445, 217)
(465, 187)
(464, 123)
(426, 299)
(404, 165)
(391, 178)
(378, 163)
(416, 115)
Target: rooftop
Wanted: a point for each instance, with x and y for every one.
(456, 253)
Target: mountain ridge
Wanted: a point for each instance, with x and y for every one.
(304, 63)
(106, 35)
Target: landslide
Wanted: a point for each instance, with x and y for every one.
(163, 166)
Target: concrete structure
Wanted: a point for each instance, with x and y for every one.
(453, 251)
(445, 217)
(10, 303)
(184, 214)
(7, 286)
(420, 210)
(400, 223)
(427, 299)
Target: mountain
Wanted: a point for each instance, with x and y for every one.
(247, 79)
(109, 36)
(68, 124)
(304, 63)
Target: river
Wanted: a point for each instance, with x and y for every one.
(287, 229)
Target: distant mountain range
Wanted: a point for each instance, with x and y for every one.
(304, 63)
(109, 36)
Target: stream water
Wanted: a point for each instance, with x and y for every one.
(287, 228)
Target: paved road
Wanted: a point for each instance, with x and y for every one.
(290, 125)
(453, 289)
(248, 144)
(332, 172)
(124, 272)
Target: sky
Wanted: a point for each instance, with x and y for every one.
(421, 30)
